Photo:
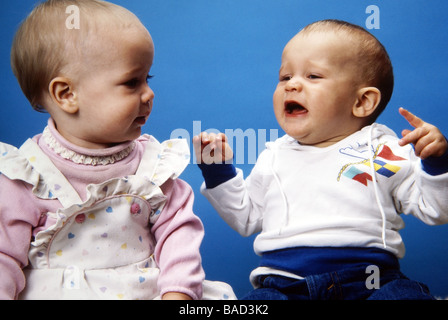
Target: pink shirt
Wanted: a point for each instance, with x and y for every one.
(178, 231)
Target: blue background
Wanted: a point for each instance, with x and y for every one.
(217, 62)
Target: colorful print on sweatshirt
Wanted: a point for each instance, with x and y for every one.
(384, 161)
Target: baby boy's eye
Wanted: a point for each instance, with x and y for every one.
(314, 76)
(285, 78)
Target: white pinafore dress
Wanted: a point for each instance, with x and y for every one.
(100, 248)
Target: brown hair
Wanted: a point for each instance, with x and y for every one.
(43, 45)
(373, 59)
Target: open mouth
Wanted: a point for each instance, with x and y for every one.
(294, 108)
(140, 120)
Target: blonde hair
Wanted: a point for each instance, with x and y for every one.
(43, 45)
(372, 58)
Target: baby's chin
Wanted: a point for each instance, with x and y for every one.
(312, 141)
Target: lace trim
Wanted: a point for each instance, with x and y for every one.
(81, 158)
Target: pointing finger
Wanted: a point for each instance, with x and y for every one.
(413, 120)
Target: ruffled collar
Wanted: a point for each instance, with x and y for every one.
(80, 155)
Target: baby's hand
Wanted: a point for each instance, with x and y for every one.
(212, 148)
(427, 139)
(175, 296)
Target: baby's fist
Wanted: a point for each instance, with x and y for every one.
(212, 148)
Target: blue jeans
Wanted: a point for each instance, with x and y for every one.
(349, 284)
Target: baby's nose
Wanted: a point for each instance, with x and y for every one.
(294, 84)
(147, 95)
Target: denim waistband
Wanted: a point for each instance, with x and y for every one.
(305, 261)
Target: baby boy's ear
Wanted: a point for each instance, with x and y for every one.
(367, 101)
(62, 93)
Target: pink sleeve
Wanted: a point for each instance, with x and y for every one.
(18, 215)
(179, 233)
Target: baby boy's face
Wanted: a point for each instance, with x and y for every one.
(317, 89)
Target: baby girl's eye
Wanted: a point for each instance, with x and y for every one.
(135, 82)
(131, 83)
(149, 77)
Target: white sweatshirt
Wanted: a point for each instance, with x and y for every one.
(301, 196)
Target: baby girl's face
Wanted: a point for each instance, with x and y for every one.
(112, 93)
(317, 89)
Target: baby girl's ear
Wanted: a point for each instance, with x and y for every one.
(367, 101)
(62, 93)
